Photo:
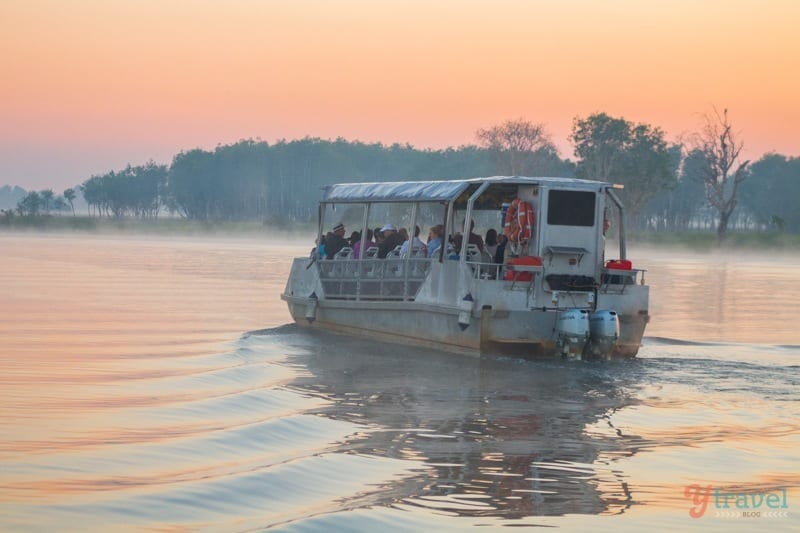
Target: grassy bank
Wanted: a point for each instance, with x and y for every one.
(707, 241)
(696, 241)
(159, 226)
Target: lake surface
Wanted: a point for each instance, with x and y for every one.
(157, 384)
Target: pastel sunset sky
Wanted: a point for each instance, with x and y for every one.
(88, 86)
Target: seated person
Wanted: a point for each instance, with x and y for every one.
(491, 242)
(354, 238)
(321, 248)
(367, 245)
(474, 238)
(335, 241)
(418, 244)
(435, 240)
(391, 240)
(458, 240)
(378, 235)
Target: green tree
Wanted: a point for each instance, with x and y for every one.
(253, 180)
(30, 204)
(69, 195)
(771, 191)
(688, 196)
(59, 204)
(94, 194)
(136, 191)
(48, 197)
(141, 188)
(634, 155)
(191, 184)
(675, 209)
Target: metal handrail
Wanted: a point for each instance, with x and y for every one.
(397, 278)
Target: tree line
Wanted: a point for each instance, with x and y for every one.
(701, 182)
(45, 202)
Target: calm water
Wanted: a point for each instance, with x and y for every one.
(133, 397)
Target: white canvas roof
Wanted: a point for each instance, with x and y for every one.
(433, 191)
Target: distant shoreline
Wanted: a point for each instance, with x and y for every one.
(166, 226)
(706, 241)
(176, 227)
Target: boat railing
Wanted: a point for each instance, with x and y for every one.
(393, 278)
(516, 276)
(614, 280)
(400, 278)
(611, 280)
(485, 270)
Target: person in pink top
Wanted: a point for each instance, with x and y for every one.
(357, 246)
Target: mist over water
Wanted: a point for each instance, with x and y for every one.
(156, 384)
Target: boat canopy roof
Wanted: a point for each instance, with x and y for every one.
(437, 191)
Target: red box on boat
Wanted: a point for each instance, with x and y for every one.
(513, 275)
(619, 264)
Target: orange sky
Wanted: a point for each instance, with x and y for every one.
(87, 86)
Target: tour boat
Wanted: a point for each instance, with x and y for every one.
(553, 292)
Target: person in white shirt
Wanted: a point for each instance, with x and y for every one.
(418, 245)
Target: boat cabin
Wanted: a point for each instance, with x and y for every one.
(552, 224)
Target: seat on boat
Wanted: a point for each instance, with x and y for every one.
(394, 263)
(344, 253)
(394, 253)
(348, 269)
(371, 266)
(417, 250)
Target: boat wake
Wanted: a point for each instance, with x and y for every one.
(285, 329)
(671, 341)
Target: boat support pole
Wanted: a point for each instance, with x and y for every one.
(622, 248)
(410, 250)
(321, 217)
(466, 302)
(467, 219)
(361, 246)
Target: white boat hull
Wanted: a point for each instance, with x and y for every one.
(494, 327)
(540, 298)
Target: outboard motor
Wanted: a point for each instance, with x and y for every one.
(572, 331)
(604, 333)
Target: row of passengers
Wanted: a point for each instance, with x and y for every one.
(493, 250)
(434, 244)
(387, 239)
(492, 247)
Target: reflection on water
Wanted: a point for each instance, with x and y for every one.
(130, 398)
(513, 439)
(499, 437)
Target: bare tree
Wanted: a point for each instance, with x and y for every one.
(517, 145)
(721, 171)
